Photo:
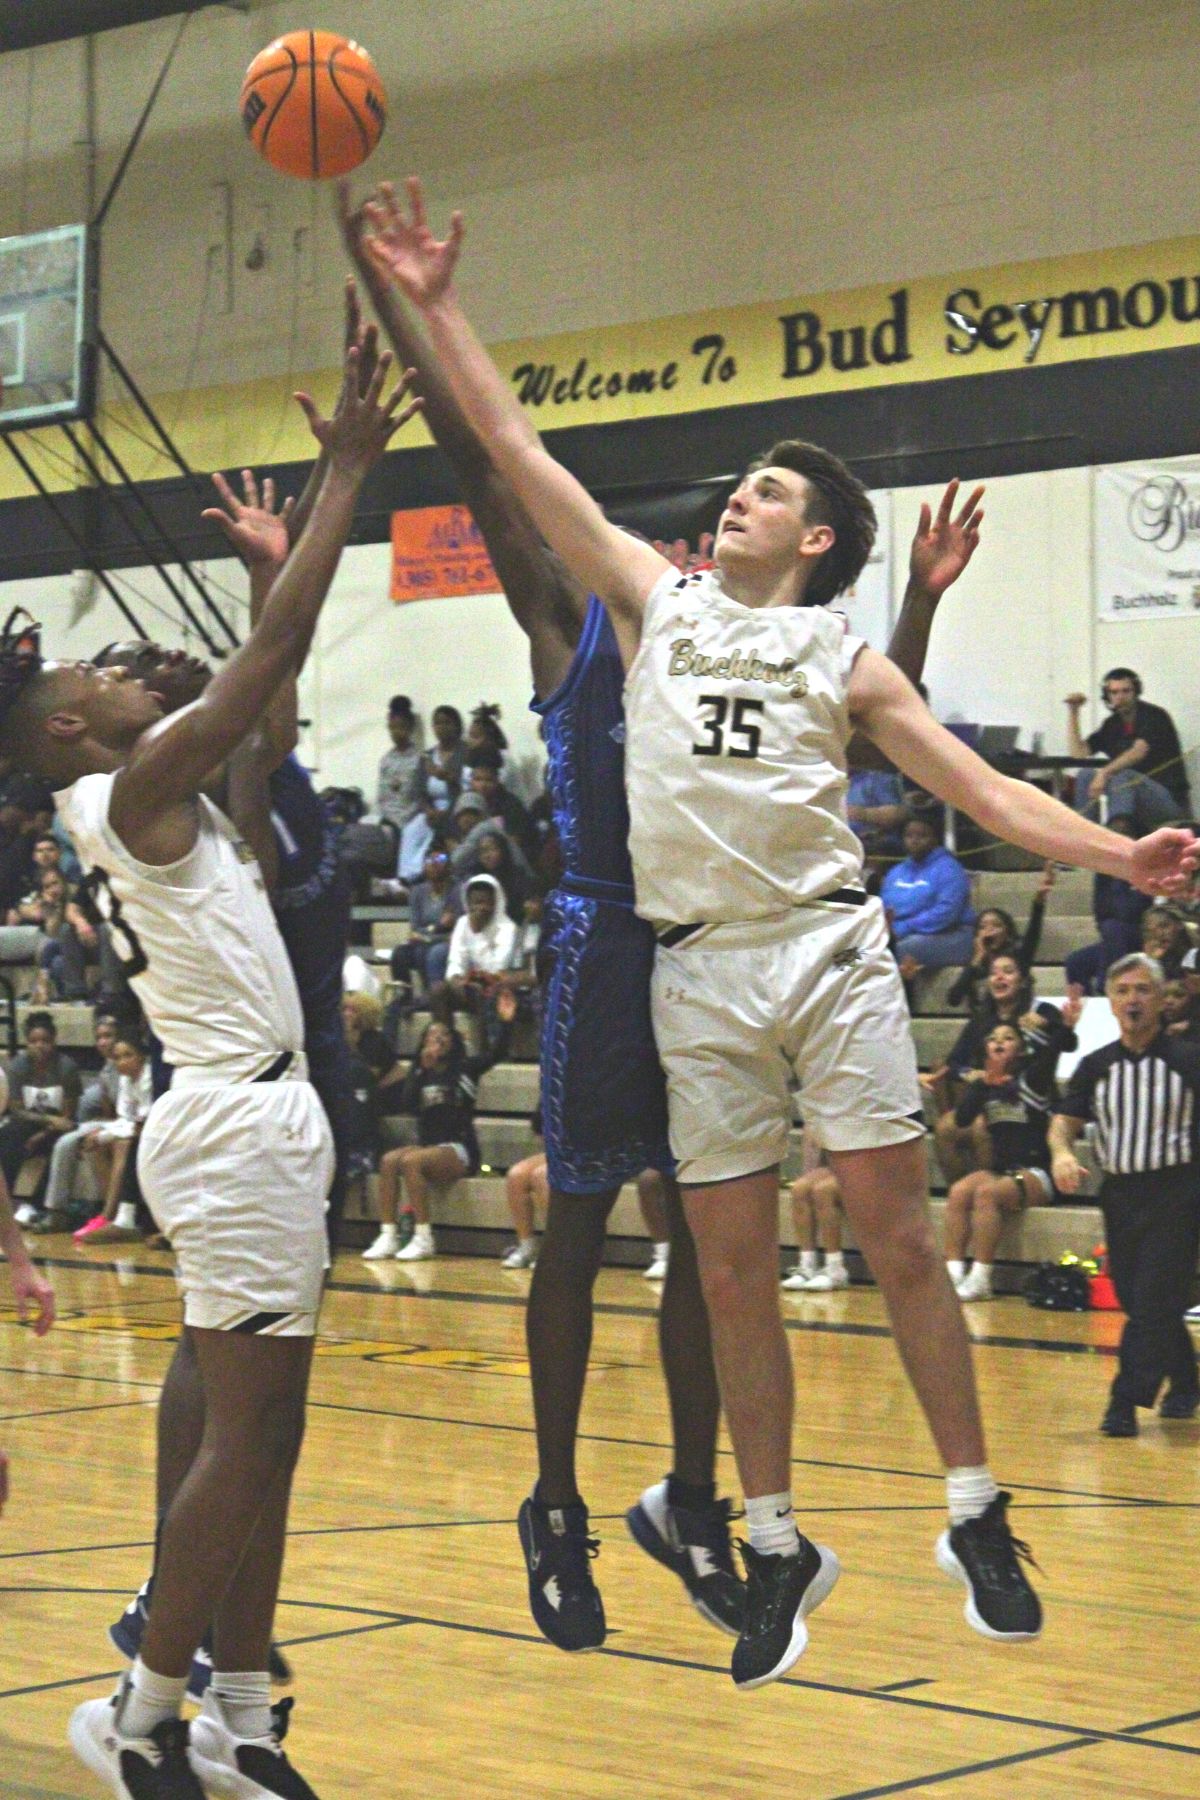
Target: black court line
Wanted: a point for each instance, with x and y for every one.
(898, 1687)
(965, 1769)
(323, 1637)
(59, 1412)
(49, 1687)
(623, 1309)
(800, 1462)
(1186, 1718)
(1089, 1732)
(63, 1375)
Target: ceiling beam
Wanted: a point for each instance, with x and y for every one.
(24, 23)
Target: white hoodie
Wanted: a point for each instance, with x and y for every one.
(486, 952)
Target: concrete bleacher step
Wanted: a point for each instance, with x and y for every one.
(1071, 893)
(1041, 1234)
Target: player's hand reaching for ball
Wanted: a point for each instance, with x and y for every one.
(405, 249)
(364, 423)
(256, 530)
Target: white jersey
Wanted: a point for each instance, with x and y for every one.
(198, 937)
(735, 759)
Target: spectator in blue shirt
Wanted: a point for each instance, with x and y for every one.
(928, 901)
(875, 809)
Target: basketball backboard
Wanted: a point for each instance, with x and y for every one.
(43, 317)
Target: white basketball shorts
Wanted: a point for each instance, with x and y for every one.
(237, 1177)
(742, 1010)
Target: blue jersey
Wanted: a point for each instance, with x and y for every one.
(583, 722)
(604, 1101)
(312, 904)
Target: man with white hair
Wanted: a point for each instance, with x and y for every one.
(1143, 1095)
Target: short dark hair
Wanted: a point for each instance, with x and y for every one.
(40, 1021)
(486, 756)
(837, 499)
(400, 707)
(1123, 675)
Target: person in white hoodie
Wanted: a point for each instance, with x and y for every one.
(483, 948)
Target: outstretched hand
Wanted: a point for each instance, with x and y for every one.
(364, 423)
(256, 530)
(944, 544)
(1165, 861)
(405, 249)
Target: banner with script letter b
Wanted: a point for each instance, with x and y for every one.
(1146, 536)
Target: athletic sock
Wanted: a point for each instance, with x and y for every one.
(810, 1262)
(982, 1272)
(149, 1699)
(245, 1701)
(692, 1499)
(835, 1262)
(969, 1492)
(126, 1217)
(529, 1244)
(956, 1267)
(772, 1525)
(662, 1251)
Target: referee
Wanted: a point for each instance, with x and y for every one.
(1143, 1095)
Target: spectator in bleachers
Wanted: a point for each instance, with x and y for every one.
(876, 811)
(928, 901)
(21, 810)
(44, 1090)
(485, 729)
(66, 938)
(996, 930)
(97, 1104)
(1011, 1099)
(441, 1089)
(1117, 908)
(437, 785)
(495, 856)
(399, 795)
(817, 1214)
(501, 805)
(1144, 775)
(113, 1149)
(483, 946)
(435, 905)
(471, 826)
(376, 1072)
(1165, 937)
(1180, 1011)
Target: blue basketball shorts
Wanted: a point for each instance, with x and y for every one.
(604, 1098)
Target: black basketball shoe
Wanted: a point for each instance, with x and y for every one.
(149, 1768)
(984, 1555)
(245, 1768)
(695, 1546)
(127, 1632)
(563, 1598)
(1120, 1419)
(1179, 1405)
(781, 1591)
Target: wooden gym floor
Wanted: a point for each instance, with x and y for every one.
(418, 1670)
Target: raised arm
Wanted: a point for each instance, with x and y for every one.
(889, 709)
(547, 602)
(172, 760)
(620, 569)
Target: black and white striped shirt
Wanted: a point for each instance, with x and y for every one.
(1145, 1104)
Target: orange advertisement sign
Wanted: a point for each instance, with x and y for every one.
(438, 551)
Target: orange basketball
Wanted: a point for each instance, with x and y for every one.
(313, 104)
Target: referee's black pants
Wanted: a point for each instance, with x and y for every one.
(1152, 1228)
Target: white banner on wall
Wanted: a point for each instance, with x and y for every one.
(868, 604)
(1146, 537)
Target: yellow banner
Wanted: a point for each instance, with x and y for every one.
(1023, 316)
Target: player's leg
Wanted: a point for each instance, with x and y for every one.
(553, 1521)
(423, 1168)
(680, 1521)
(827, 1203)
(804, 1218)
(884, 1193)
